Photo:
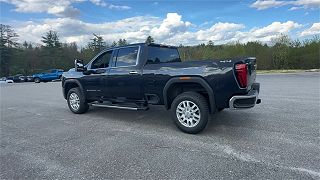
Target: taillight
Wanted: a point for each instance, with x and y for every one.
(242, 75)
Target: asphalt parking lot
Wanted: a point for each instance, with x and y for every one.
(278, 139)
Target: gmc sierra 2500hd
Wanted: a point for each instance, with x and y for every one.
(137, 75)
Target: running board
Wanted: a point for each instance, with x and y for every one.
(119, 107)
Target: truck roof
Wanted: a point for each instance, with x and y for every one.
(143, 44)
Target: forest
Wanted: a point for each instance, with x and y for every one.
(30, 57)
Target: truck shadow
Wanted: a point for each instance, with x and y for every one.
(227, 122)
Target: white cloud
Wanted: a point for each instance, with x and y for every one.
(267, 33)
(275, 27)
(133, 29)
(307, 3)
(219, 31)
(170, 26)
(297, 4)
(99, 2)
(112, 6)
(108, 5)
(171, 30)
(265, 4)
(295, 8)
(313, 30)
(60, 8)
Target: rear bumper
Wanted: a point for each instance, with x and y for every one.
(248, 100)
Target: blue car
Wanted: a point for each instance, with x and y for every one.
(49, 75)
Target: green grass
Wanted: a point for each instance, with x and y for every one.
(286, 71)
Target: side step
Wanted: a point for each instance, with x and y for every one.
(119, 106)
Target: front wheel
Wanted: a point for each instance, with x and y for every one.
(190, 112)
(76, 102)
(37, 80)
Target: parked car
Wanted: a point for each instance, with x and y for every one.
(48, 75)
(5, 80)
(9, 81)
(23, 78)
(137, 75)
(30, 79)
(15, 78)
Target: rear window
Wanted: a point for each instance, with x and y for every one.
(157, 55)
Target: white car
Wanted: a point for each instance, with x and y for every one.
(5, 80)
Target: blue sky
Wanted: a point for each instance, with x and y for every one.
(171, 22)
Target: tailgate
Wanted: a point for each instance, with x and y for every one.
(252, 67)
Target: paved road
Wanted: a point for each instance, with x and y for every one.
(278, 139)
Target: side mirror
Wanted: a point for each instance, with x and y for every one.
(78, 65)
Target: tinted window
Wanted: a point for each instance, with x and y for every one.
(102, 61)
(158, 55)
(127, 56)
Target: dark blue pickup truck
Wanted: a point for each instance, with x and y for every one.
(48, 75)
(137, 75)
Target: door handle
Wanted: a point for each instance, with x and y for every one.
(133, 72)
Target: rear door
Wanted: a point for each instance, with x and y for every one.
(125, 77)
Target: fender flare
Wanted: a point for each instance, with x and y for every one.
(72, 81)
(198, 80)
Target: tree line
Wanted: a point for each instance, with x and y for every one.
(28, 58)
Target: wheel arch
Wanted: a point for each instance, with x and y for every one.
(72, 83)
(176, 81)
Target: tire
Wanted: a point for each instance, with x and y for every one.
(37, 80)
(76, 101)
(190, 112)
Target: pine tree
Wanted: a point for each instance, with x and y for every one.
(51, 39)
(149, 40)
(114, 44)
(8, 41)
(97, 44)
(122, 42)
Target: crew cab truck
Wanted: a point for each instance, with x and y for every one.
(138, 75)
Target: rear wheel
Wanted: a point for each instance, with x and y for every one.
(76, 102)
(37, 80)
(190, 112)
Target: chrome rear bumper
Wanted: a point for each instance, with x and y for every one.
(246, 101)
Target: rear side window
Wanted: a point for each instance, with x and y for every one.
(157, 55)
(127, 56)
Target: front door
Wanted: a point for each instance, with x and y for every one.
(95, 76)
